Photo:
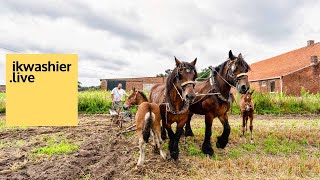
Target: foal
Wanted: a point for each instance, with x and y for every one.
(147, 122)
(247, 109)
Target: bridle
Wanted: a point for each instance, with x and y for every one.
(185, 107)
(230, 72)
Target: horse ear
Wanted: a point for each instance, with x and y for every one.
(177, 61)
(133, 89)
(240, 56)
(194, 62)
(217, 68)
(231, 56)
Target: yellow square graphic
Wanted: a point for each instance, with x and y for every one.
(51, 100)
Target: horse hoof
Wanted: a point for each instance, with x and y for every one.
(174, 155)
(207, 150)
(163, 155)
(221, 143)
(156, 150)
(251, 141)
(163, 137)
(189, 133)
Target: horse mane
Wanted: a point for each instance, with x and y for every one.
(143, 95)
(170, 81)
(221, 67)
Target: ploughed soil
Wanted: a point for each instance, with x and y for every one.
(104, 155)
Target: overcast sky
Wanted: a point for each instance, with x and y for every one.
(139, 38)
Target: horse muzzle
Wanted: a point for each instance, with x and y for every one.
(125, 107)
(191, 97)
(188, 93)
(243, 89)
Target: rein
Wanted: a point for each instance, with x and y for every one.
(185, 107)
(241, 74)
(213, 84)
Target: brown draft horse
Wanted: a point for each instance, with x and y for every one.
(232, 72)
(174, 98)
(148, 119)
(247, 108)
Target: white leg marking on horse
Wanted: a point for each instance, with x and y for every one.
(142, 146)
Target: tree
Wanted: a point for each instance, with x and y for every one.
(167, 72)
(204, 73)
(79, 84)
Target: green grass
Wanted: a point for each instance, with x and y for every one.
(16, 144)
(2, 102)
(194, 150)
(274, 146)
(234, 153)
(249, 147)
(282, 104)
(4, 127)
(96, 102)
(91, 102)
(53, 147)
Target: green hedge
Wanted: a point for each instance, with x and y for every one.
(282, 104)
(96, 102)
(100, 102)
(2, 102)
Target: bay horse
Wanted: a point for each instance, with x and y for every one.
(174, 98)
(214, 101)
(247, 109)
(148, 119)
(135, 98)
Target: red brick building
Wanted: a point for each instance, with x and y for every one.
(289, 72)
(143, 83)
(2, 88)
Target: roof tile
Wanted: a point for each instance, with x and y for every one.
(283, 64)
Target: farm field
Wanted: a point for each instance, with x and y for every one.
(286, 146)
(93, 102)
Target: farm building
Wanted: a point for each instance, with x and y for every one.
(2, 88)
(289, 72)
(143, 83)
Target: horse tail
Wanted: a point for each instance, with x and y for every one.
(148, 121)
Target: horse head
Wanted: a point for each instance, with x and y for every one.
(135, 98)
(247, 98)
(183, 79)
(237, 69)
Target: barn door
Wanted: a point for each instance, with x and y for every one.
(114, 83)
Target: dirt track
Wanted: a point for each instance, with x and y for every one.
(102, 155)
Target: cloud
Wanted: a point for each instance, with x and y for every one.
(140, 38)
(77, 11)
